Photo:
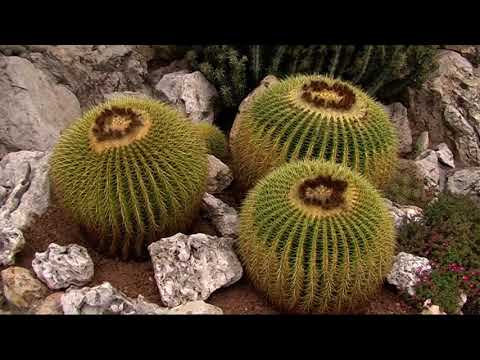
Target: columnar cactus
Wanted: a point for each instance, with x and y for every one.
(315, 237)
(313, 117)
(130, 171)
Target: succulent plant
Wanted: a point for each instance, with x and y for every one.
(313, 117)
(215, 138)
(130, 171)
(315, 237)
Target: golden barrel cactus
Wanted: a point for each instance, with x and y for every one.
(130, 171)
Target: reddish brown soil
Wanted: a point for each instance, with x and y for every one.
(136, 278)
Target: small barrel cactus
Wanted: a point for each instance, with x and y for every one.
(215, 138)
(313, 117)
(130, 171)
(315, 237)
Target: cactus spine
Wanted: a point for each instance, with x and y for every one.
(315, 237)
(130, 171)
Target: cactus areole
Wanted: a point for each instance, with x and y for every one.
(130, 171)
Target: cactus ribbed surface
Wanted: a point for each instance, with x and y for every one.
(215, 139)
(313, 117)
(315, 237)
(130, 171)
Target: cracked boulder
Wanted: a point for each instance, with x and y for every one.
(11, 242)
(403, 213)
(222, 216)
(407, 271)
(25, 187)
(34, 109)
(465, 182)
(219, 175)
(21, 289)
(190, 93)
(191, 267)
(448, 107)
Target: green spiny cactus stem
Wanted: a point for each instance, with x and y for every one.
(313, 117)
(130, 171)
(215, 138)
(315, 237)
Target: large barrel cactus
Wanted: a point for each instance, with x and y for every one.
(315, 237)
(313, 117)
(130, 171)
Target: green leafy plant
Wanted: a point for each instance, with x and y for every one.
(130, 171)
(381, 69)
(215, 139)
(313, 117)
(449, 235)
(315, 237)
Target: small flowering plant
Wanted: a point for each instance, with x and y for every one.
(449, 236)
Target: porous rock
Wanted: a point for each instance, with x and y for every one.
(406, 271)
(192, 267)
(62, 266)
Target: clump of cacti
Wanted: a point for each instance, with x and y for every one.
(215, 139)
(313, 117)
(383, 70)
(315, 237)
(130, 171)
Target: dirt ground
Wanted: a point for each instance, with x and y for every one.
(136, 278)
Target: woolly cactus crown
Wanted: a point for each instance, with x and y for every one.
(315, 237)
(130, 171)
(314, 117)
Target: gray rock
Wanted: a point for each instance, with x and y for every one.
(51, 305)
(33, 109)
(403, 213)
(90, 71)
(445, 155)
(24, 180)
(11, 242)
(105, 299)
(264, 84)
(422, 143)
(399, 117)
(429, 168)
(9, 50)
(191, 93)
(101, 299)
(448, 106)
(465, 182)
(21, 289)
(62, 266)
(223, 217)
(192, 267)
(469, 52)
(219, 175)
(406, 271)
(177, 65)
(196, 308)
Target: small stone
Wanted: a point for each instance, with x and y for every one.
(423, 142)
(52, 305)
(430, 309)
(196, 308)
(192, 267)
(429, 169)
(11, 242)
(62, 266)
(223, 217)
(219, 175)
(21, 289)
(465, 182)
(399, 117)
(406, 271)
(445, 155)
(403, 213)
